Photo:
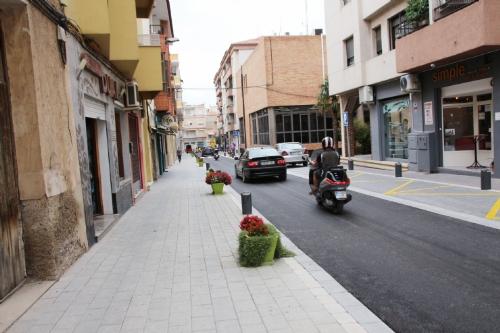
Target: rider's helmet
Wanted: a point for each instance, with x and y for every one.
(327, 142)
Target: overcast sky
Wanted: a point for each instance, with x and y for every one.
(206, 29)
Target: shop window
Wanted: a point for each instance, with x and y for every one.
(458, 122)
(349, 47)
(397, 126)
(484, 126)
(457, 100)
(484, 97)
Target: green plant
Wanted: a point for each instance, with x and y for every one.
(362, 137)
(218, 177)
(417, 10)
(255, 240)
(329, 104)
(211, 169)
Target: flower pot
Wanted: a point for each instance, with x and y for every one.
(200, 163)
(269, 258)
(217, 188)
(207, 173)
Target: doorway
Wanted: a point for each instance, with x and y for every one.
(11, 248)
(93, 156)
(135, 160)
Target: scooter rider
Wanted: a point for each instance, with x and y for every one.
(327, 159)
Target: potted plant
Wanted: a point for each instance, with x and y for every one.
(200, 161)
(217, 180)
(259, 243)
(209, 171)
(417, 12)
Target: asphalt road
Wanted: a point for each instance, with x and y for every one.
(417, 271)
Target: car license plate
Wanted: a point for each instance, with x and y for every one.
(340, 194)
(267, 162)
(296, 153)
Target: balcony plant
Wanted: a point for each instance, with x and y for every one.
(217, 180)
(259, 243)
(417, 12)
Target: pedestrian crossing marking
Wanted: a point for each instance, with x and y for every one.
(393, 191)
(492, 214)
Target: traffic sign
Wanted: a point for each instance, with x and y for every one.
(346, 119)
(235, 133)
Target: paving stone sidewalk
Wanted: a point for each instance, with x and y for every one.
(170, 265)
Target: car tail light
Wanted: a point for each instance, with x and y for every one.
(253, 163)
(284, 153)
(305, 152)
(281, 162)
(342, 182)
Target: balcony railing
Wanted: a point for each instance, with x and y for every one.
(148, 40)
(156, 29)
(407, 28)
(448, 7)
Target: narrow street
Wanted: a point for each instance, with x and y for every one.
(418, 271)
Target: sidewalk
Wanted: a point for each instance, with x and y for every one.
(170, 265)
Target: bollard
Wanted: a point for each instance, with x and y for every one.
(398, 169)
(485, 180)
(207, 165)
(246, 203)
(350, 164)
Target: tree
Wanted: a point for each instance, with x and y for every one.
(329, 104)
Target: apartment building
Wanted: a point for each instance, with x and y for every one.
(426, 83)
(278, 85)
(75, 77)
(454, 62)
(194, 131)
(226, 84)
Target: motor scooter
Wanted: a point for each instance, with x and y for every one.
(216, 154)
(332, 191)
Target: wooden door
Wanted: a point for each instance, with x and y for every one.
(95, 175)
(135, 160)
(11, 254)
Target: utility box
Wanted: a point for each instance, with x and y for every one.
(422, 142)
(426, 157)
(412, 151)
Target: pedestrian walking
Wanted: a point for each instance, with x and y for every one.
(179, 153)
(232, 148)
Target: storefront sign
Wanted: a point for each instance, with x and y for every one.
(479, 73)
(107, 85)
(167, 121)
(449, 73)
(428, 113)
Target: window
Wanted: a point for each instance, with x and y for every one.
(346, 2)
(395, 25)
(397, 125)
(242, 134)
(260, 127)
(377, 34)
(349, 47)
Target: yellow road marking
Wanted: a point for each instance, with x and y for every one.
(401, 186)
(376, 181)
(359, 174)
(426, 188)
(492, 214)
(448, 194)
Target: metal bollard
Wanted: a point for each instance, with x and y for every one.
(485, 180)
(350, 164)
(207, 165)
(246, 203)
(398, 169)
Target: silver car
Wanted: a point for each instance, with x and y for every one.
(292, 152)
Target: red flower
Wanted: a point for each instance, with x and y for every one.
(251, 221)
(218, 177)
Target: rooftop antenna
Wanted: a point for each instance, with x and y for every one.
(307, 21)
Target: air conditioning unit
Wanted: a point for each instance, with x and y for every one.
(409, 83)
(366, 95)
(132, 94)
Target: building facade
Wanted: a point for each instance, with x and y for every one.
(194, 125)
(280, 81)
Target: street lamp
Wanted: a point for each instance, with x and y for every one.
(171, 40)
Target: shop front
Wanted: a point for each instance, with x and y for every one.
(459, 107)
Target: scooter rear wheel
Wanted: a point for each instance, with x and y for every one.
(319, 201)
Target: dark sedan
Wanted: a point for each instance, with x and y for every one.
(207, 151)
(260, 162)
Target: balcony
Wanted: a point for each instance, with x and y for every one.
(148, 40)
(230, 127)
(448, 7)
(230, 109)
(468, 32)
(228, 74)
(229, 91)
(218, 91)
(143, 8)
(219, 105)
(156, 29)
(148, 72)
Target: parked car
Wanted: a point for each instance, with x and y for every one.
(292, 152)
(207, 151)
(260, 162)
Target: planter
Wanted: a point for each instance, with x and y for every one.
(217, 188)
(269, 258)
(200, 163)
(207, 173)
